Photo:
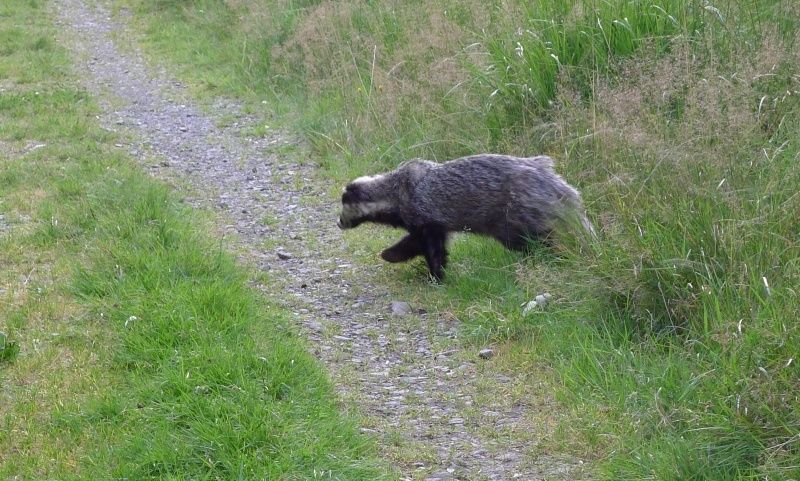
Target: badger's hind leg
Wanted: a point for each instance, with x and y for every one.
(404, 250)
(434, 246)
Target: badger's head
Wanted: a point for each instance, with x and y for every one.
(368, 199)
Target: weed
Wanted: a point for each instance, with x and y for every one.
(8, 349)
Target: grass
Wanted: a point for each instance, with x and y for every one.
(131, 346)
(673, 340)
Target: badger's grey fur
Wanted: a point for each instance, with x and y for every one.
(509, 198)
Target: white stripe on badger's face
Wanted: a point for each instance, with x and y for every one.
(353, 212)
(364, 180)
(368, 178)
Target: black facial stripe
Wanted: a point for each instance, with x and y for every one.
(354, 193)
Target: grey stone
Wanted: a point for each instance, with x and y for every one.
(202, 390)
(400, 308)
(538, 302)
(315, 326)
(486, 353)
(440, 476)
(543, 299)
(509, 457)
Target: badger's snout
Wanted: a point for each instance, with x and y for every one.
(344, 223)
(349, 215)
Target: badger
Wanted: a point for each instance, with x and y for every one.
(512, 199)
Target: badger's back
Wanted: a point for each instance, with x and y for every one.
(497, 195)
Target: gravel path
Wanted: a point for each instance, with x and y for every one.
(438, 411)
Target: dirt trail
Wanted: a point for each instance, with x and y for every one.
(432, 411)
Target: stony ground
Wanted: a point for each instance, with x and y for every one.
(437, 410)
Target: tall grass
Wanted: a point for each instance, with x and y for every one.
(675, 338)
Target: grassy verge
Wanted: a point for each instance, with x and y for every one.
(131, 346)
(674, 340)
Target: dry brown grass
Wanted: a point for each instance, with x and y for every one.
(343, 48)
(702, 98)
(680, 112)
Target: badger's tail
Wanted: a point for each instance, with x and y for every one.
(540, 161)
(588, 227)
(573, 213)
(578, 224)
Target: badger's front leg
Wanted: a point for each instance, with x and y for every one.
(434, 240)
(404, 250)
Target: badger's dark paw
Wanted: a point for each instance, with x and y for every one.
(436, 277)
(391, 255)
(404, 250)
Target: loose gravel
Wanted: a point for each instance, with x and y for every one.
(437, 414)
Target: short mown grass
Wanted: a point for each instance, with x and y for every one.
(131, 346)
(674, 339)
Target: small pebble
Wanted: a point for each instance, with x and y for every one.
(400, 308)
(486, 353)
(539, 302)
(315, 326)
(202, 390)
(441, 476)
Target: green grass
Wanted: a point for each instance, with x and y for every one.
(131, 346)
(673, 340)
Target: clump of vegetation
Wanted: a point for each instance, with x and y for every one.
(8, 349)
(678, 119)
